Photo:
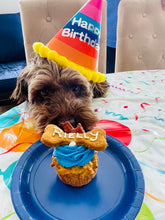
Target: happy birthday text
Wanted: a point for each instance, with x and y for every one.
(83, 37)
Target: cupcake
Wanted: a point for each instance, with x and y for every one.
(75, 152)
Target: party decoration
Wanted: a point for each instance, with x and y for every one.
(116, 130)
(77, 44)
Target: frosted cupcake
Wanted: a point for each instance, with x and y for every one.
(75, 155)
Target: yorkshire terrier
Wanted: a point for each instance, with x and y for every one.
(56, 94)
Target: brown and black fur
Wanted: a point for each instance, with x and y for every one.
(56, 94)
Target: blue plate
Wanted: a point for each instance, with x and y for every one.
(116, 192)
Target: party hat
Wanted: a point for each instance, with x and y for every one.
(76, 45)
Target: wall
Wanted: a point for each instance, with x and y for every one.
(9, 6)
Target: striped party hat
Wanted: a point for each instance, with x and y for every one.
(76, 45)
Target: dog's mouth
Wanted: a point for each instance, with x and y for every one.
(85, 116)
(60, 122)
(73, 123)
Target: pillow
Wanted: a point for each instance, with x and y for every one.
(11, 39)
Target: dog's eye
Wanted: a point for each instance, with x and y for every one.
(76, 89)
(44, 92)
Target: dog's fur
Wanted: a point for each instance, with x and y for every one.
(56, 94)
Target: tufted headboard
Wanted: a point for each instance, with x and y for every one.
(140, 35)
(42, 19)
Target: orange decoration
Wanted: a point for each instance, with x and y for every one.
(19, 137)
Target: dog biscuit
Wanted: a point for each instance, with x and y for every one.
(54, 136)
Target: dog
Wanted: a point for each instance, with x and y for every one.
(57, 94)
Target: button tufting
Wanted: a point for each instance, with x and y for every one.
(154, 36)
(49, 19)
(140, 57)
(130, 36)
(163, 56)
(144, 14)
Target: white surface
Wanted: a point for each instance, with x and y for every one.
(136, 100)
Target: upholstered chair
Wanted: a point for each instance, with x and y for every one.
(140, 35)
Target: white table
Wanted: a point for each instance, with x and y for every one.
(135, 100)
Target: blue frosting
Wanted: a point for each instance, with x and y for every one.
(69, 156)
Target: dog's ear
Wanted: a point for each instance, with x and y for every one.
(20, 93)
(100, 89)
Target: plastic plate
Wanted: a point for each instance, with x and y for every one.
(115, 193)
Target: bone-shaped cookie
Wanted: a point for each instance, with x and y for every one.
(95, 140)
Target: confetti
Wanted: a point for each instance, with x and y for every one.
(136, 117)
(142, 105)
